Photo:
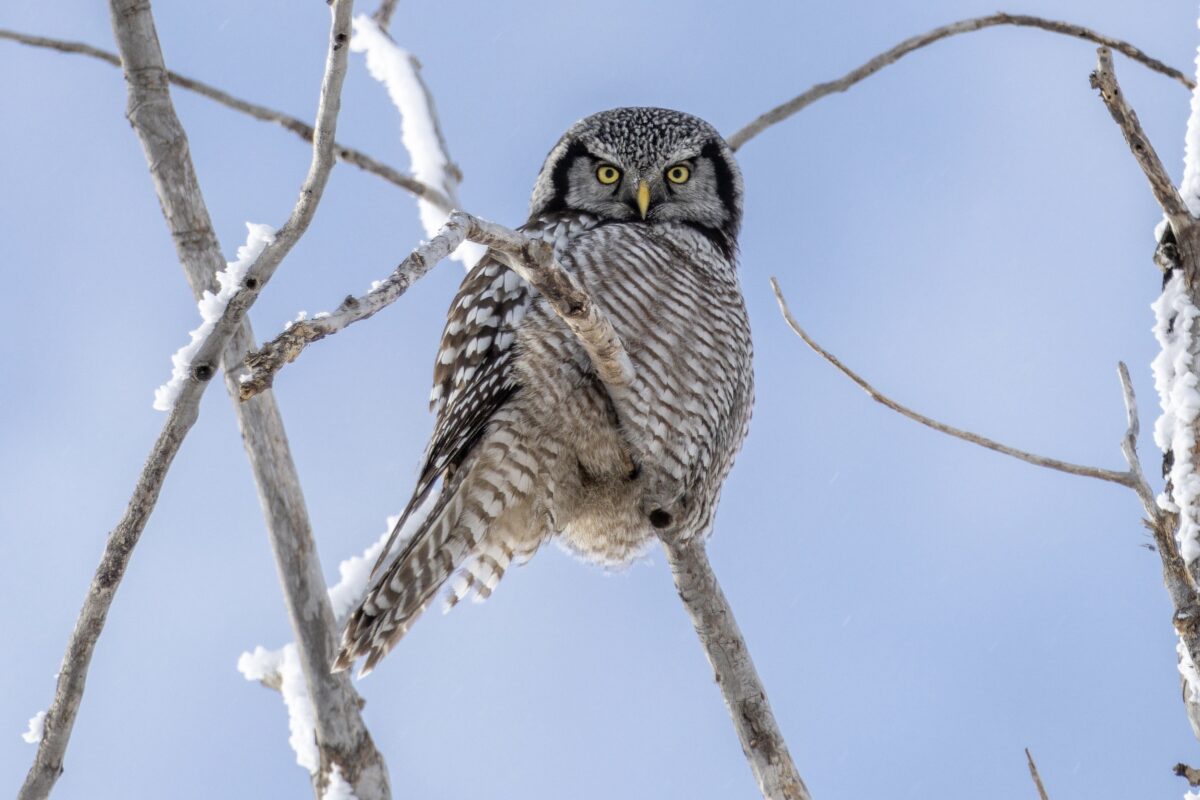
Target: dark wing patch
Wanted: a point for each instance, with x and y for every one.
(473, 374)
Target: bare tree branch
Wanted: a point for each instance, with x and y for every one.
(745, 697)
(1129, 448)
(1123, 478)
(302, 129)
(1037, 779)
(1104, 78)
(532, 259)
(1179, 577)
(150, 110)
(820, 90)
(1191, 774)
(383, 14)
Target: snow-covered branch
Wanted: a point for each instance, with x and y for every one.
(153, 118)
(1175, 518)
(532, 259)
(820, 90)
(420, 131)
(262, 113)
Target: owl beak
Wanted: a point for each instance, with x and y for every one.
(643, 197)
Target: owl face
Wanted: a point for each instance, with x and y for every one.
(644, 165)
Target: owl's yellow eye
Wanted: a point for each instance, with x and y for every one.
(678, 173)
(608, 174)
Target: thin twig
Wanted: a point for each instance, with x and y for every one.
(531, 259)
(1129, 447)
(1123, 478)
(302, 129)
(1104, 79)
(133, 26)
(820, 90)
(1037, 779)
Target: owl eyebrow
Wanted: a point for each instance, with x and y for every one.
(712, 151)
(559, 178)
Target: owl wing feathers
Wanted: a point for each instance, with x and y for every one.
(473, 374)
(472, 382)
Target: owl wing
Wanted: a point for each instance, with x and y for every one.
(472, 377)
(473, 374)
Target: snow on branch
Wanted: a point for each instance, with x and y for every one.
(283, 666)
(1178, 386)
(820, 90)
(400, 72)
(37, 726)
(212, 306)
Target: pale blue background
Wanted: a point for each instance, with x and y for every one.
(966, 228)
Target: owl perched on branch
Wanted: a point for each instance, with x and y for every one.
(643, 205)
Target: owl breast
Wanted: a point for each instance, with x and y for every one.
(675, 301)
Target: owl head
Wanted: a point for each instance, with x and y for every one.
(644, 165)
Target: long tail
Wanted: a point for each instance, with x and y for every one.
(460, 518)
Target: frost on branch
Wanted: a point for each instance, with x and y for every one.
(1177, 383)
(284, 665)
(355, 572)
(1191, 159)
(338, 789)
(396, 69)
(37, 726)
(212, 306)
(281, 668)
(1175, 368)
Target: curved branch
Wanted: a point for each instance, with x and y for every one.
(1123, 478)
(302, 129)
(820, 90)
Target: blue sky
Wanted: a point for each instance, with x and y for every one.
(967, 229)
